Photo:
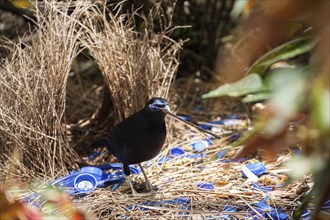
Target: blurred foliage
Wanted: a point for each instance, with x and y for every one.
(250, 84)
(280, 54)
(21, 3)
(51, 204)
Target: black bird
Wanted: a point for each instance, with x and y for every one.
(139, 137)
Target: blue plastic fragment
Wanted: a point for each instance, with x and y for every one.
(279, 215)
(183, 202)
(221, 154)
(262, 188)
(185, 117)
(306, 215)
(263, 205)
(233, 137)
(233, 117)
(228, 208)
(162, 160)
(326, 205)
(177, 151)
(201, 145)
(205, 126)
(195, 156)
(205, 185)
(233, 160)
(231, 122)
(266, 210)
(256, 168)
(93, 156)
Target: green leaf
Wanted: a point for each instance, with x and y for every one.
(249, 84)
(283, 52)
(256, 97)
(321, 106)
(288, 94)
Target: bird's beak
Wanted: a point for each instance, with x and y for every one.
(166, 109)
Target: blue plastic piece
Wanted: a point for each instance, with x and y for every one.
(94, 155)
(233, 117)
(229, 120)
(196, 156)
(228, 208)
(183, 202)
(262, 188)
(205, 185)
(263, 205)
(205, 126)
(162, 160)
(201, 145)
(234, 160)
(266, 210)
(177, 151)
(221, 154)
(326, 205)
(88, 178)
(256, 168)
(185, 117)
(306, 215)
(233, 137)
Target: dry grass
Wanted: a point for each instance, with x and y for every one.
(135, 65)
(32, 97)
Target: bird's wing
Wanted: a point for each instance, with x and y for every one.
(130, 128)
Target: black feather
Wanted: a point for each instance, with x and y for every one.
(139, 137)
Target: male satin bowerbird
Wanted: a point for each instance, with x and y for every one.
(139, 137)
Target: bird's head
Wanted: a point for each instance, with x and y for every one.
(158, 105)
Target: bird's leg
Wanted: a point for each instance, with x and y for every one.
(146, 178)
(127, 172)
(131, 185)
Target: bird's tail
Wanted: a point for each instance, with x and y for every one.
(100, 143)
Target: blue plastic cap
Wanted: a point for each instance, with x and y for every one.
(256, 168)
(177, 151)
(95, 171)
(85, 182)
(201, 145)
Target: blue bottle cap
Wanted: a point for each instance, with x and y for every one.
(98, 173)
(201, 145)
(85, 182)
(177, 151)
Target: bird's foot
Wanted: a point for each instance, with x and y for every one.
(149, 187)
(134, 192)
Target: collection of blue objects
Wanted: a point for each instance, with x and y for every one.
(89, 178)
